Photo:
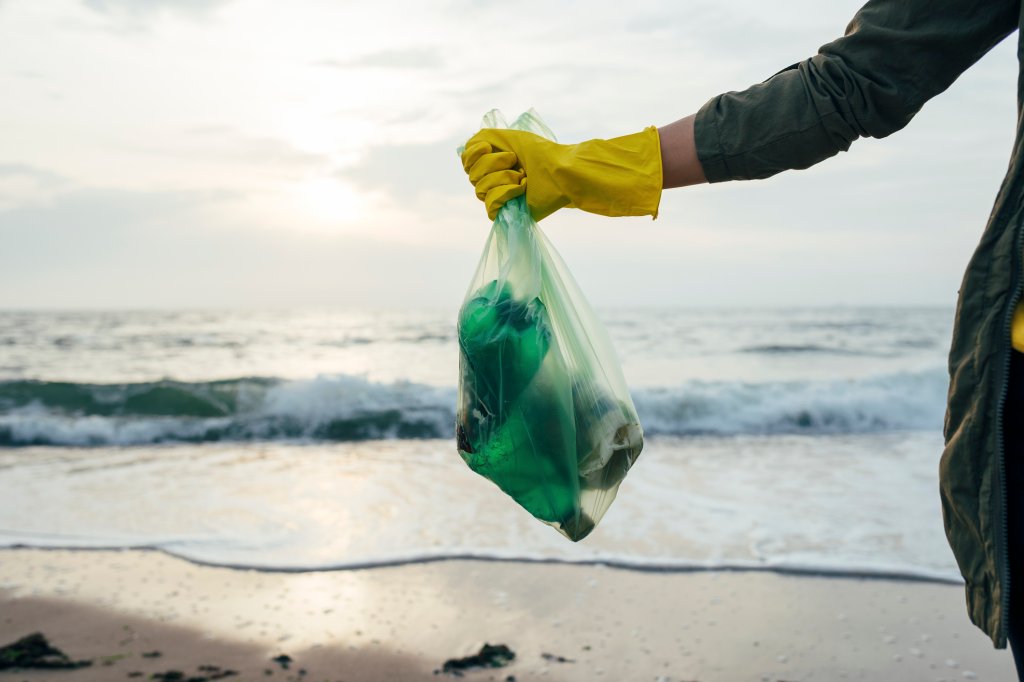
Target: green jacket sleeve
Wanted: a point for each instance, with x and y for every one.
(895, 56)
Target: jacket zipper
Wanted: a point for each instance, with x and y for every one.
(1004, 554)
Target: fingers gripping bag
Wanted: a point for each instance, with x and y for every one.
(543, 408)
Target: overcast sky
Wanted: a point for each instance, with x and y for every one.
(158, 153)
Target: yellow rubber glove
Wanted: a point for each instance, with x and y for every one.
(616, 177)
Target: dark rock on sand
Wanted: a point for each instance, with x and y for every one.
(489, 656)
(557, 659)
(284, 660)
(169, 676)
(33, 651)
(214, 672)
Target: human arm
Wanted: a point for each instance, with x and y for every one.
(679, 162)
(894, 57)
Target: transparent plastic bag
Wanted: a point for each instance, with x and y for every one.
(544, 411)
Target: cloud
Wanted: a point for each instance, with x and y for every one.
(24, 184)
(139, 7)
(80, 210)
(404, 170)
(85, 246)
(224, 144)
(408, 58)
(163, 249)
(131, 17)
(40, 175)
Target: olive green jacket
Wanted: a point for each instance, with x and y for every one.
(895, 56)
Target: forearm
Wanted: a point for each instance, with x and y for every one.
(895, 55)
(679, 163)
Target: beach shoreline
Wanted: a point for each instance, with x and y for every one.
(892, 574)
(564, 622)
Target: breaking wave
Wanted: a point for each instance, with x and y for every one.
(350, 408)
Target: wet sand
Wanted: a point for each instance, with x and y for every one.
(402, 623)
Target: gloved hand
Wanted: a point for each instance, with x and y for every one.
(616, 177)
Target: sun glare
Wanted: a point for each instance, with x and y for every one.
(329, 201)
(333, 135)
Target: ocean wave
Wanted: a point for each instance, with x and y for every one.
(906, 401)
(337, 408)
(349, 408)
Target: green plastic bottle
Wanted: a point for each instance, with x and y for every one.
(518, 427)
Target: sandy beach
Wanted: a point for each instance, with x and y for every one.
(563, 622)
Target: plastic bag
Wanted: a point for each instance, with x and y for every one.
(543, 410)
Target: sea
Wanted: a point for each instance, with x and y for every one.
(799, 440)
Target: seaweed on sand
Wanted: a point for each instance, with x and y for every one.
(34, 651)
(489, 656)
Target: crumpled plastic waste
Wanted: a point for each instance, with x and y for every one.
(544, 411)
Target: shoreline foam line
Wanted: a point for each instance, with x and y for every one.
(639, 566)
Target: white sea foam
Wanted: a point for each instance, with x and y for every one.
(353, 408)
(851, 504)
(902, 401)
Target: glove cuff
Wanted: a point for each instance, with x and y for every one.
(617, 177)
